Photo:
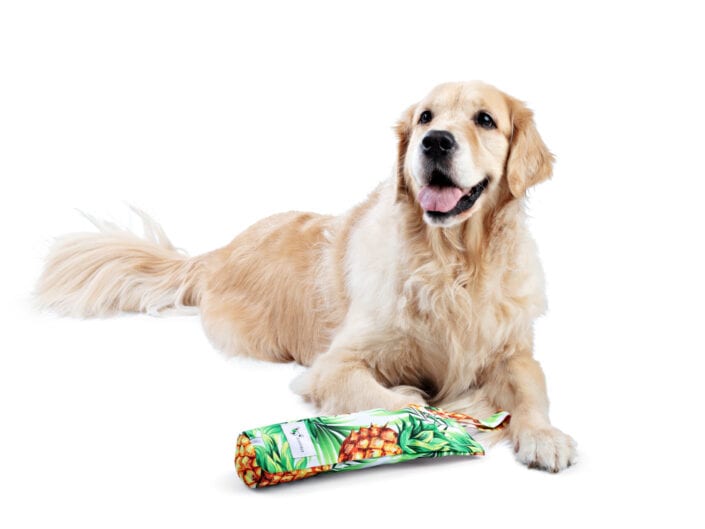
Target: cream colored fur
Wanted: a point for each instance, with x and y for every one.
(100, 274)
(384, 307)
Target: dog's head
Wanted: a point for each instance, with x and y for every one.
(463, 147)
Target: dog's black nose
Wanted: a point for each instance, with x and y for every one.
(437, 143)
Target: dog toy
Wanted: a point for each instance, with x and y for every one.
(290, 451)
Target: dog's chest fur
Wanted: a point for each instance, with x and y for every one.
(440, 314)
(457, 313)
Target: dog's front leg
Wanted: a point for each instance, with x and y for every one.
(519, 386)
(342, 381)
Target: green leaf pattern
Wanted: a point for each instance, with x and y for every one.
(421, 432)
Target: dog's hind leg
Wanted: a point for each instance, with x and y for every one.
(264, 295)
(238, 326)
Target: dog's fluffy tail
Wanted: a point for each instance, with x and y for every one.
(114, 270)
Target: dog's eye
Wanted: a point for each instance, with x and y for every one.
(484, 120)
(425, 116)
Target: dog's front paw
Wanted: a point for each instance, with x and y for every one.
(334, 394)
(545, 448)
(403, 396)
(305, 385)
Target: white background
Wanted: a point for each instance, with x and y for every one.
(212, 115)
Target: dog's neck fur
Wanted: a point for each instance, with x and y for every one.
(464, 244)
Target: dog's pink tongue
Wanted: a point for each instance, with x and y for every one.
(441, 199)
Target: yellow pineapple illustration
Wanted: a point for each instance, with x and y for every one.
(365, 443)
(255, 476)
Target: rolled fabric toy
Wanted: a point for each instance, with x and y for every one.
(289, 451)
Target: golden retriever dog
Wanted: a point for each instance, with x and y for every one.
(424, 293)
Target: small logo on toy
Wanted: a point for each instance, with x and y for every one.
(300, 442)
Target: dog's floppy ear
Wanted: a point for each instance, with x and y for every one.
(529, 161)
(403, 131)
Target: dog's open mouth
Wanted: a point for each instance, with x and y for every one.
(442, 201)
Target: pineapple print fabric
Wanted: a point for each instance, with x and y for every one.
(301, 449)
